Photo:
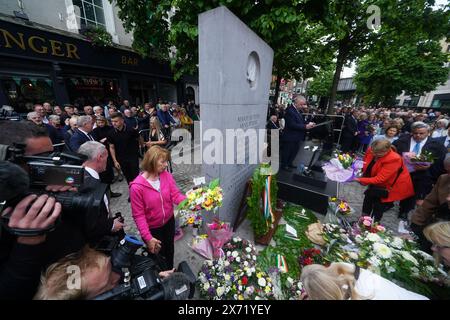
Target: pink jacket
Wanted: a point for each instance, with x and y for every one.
(150, 208)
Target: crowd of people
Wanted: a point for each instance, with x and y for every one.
(111, 139)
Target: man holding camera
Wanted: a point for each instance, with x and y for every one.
(22, 257)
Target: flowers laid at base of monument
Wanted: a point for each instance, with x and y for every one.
(343, 167)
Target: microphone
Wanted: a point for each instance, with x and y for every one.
(14, 181)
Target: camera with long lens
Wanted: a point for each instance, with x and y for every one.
(140, 275)
(23, 175)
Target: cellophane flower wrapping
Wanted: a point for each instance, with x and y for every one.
(342, 168)
(202, 246)
(219, 233)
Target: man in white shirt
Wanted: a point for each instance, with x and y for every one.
(97, 155)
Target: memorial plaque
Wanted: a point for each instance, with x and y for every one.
(235, 70)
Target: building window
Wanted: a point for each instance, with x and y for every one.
(23, 92)
(91, 13)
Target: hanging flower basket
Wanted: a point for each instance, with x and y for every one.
(98, 37)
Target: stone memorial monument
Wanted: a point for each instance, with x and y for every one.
(235, 68)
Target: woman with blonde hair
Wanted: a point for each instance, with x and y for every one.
(344, 281)
(439, 235)
(153, 194)
(155, 134)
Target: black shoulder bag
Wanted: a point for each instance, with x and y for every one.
(381, 192)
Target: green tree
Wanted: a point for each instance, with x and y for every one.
(321, 85)
(388, 69)
(346, 22)
(160, 26)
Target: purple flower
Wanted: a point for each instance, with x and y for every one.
(212, 291)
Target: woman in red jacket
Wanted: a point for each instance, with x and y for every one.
(384, 169)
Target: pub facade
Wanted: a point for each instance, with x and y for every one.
(38, 64)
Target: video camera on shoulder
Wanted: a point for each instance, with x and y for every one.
(140, 274)
(23, 175)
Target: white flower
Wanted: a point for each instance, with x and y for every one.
(299, 285)
(374, 237)
(254, 258)
(353, 255)
(262, 282)
(240, 288)
(245, 263)
(238, 259)
(374, 261)
(258, 298)
(407, 256)
(382, 250)
(206, 286)
(235, 254)
(249, 273)
(249, 257)
(431, 268)
(390, 269)
(397, 243)
(227, 277)
(359, 239)
(229, 253)
(209, 262)
(414, 270)
(226, 263)
(248, 249)
(425, 255)
(220, 291)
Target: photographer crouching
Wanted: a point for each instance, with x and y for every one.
(90, 274)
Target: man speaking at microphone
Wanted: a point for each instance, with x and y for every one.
(294, 132)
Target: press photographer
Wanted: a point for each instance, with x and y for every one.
(32, 207)
(123, 275)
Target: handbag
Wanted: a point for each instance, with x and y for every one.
(381, 192)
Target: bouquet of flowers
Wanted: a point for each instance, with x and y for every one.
(366, 223)
(207, 198)
(235, 276)
(310, 256)
(337, 207)
(424, 159)
(202, 246)
(219, 233)
(190, 218)
(342, 168)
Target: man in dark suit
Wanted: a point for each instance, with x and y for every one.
(294, 132)
(349, 131)
(423, 177)
(82, 134)
(99, 224)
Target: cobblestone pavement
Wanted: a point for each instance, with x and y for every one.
(184, 173)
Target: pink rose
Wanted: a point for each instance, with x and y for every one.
(367, 223)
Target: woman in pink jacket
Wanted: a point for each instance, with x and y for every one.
(153, 194)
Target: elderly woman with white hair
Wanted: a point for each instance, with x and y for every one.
(441, 128)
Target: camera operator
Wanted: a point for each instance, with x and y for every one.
(21, 258)
(96, 272)
(100, 224)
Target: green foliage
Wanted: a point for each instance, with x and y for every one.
(255, 202)
(298, 50)
(390, 68)
(98, 36)
(321, 84)
(287, 247)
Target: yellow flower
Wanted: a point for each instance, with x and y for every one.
(191, 220)
(259, 275)
(267, 289)
(240, 282)
(240, 297)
